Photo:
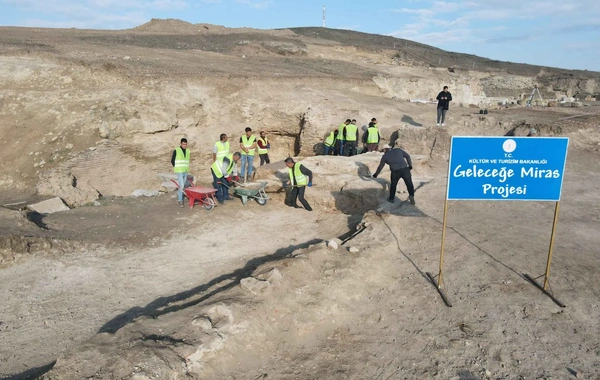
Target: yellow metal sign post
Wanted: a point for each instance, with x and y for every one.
(544, 287)
(439, 284)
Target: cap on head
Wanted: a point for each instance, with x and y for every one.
(532, 131)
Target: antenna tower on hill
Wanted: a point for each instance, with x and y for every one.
(323, 16)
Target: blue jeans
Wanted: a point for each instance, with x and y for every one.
(181, 178)
(222, 191)
(340, 150)
(247, 160)
(441, 115)
(327, 149)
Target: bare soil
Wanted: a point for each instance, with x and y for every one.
(138, 288)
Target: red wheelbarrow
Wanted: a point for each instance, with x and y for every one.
(204, 195)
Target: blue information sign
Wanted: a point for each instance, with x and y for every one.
(507, 168)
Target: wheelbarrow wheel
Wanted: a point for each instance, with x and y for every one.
(208, 204)
(261, 201)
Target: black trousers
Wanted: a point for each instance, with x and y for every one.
(350, 148)
(298, 195)
(403, 173)
(264, 159)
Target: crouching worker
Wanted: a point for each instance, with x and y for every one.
(300, 177)
(400, 166)
(221, 169)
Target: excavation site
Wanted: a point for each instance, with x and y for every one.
(106, 273)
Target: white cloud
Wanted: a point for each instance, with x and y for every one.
(470, 21)
(103, 14)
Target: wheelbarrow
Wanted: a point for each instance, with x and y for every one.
(254, 190)
(204, 195)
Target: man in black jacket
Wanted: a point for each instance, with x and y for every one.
(444, 98)
(400, 166)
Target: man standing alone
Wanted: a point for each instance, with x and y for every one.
(300, 177)
(444, 98)
(400, 166)
(181, 166)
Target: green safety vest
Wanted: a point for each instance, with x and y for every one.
(182, 161)
(301, 179)
(263, 150)
(222, 149)
(351, 130)
(218, 165)
(247, 142)
(373, 135)
(330, 140)
(341, 131)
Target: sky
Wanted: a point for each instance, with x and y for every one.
(556, 33)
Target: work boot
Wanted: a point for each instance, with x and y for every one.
(391, 200)
(180, 203)
(411, 199)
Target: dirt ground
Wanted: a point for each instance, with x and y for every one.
(334, 314)
(138, 288)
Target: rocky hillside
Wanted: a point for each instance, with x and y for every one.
(103, 109)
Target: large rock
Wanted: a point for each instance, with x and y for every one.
(49, 206)
(254, 286)
(61, 183)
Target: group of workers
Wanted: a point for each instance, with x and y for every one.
(343, 141)
(224, 167)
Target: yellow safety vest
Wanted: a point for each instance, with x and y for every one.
(182, 161)
(341, 131)
(222, 149)
(263, 150)
(351, 130)
(330, 140)
(301, 179)
(373, 136)
(247, 143)
(218, 164)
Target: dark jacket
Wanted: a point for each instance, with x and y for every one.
(396, 158)
(444, 99)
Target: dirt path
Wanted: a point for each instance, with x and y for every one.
(52, 304)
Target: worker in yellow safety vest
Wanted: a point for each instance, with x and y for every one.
(330, 142)
(221, 170)
(263, 148)
(340, 138)
(248, 146)
(180, 159)
(351, 138)
(373, 136)
(221, 147)
(300, 177)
